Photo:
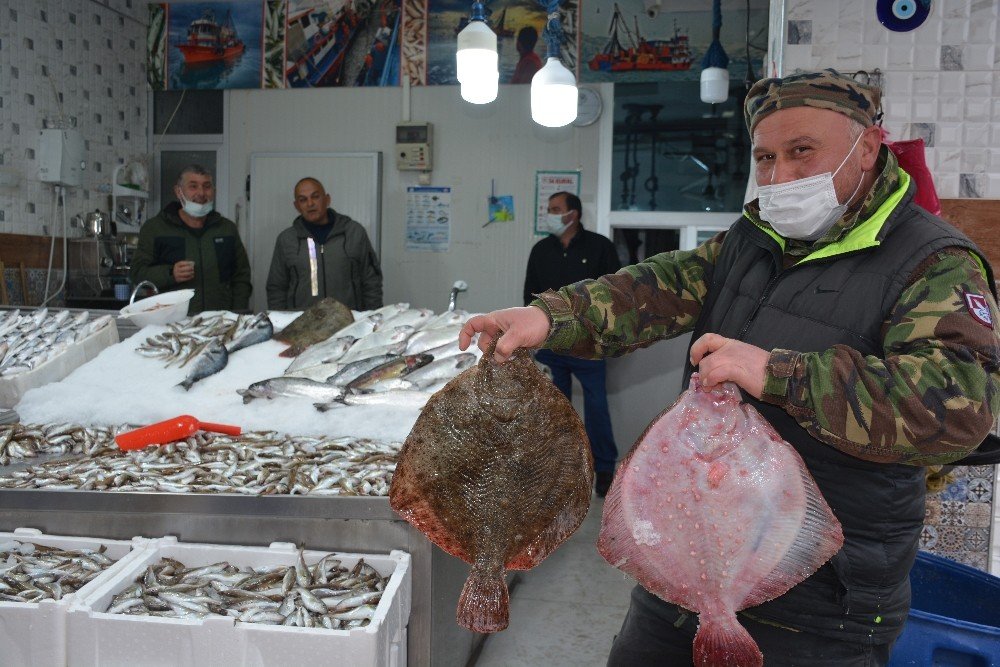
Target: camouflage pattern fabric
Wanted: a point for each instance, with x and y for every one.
(937, 382)
(828, 89)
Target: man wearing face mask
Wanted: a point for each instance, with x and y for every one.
(862, 328)
(188, 245)
(568, 254)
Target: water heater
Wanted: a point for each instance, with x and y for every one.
(60, 157)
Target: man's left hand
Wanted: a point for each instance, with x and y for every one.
(721, 359)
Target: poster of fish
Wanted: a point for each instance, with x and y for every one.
(621, 42)
(432, 27)
(213, 45)
(342, 43)
(274, 44)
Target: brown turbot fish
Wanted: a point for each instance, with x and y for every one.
(713, 511)
(320, 321)
(496, 471)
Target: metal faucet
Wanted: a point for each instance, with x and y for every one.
(459, 286)
(139, 287)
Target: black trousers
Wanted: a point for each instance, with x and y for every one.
(657, 633)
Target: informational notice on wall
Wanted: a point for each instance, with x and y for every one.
(428, 219)
(547, 183)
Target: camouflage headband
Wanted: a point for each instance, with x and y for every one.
(828, 89)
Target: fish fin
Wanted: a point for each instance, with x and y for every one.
(723, 641)
(186, 384)
(406, 498)
(324, 407)
(562, 526)
(291, 351)
(484, 605)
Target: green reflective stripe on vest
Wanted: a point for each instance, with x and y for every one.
(767, 230)
(865, 234)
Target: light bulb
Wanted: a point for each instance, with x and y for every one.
(714, 85)
(553, 95)
(476, 63)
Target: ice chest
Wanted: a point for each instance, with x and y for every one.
(110, 640)
(954, 619)
(34, 633)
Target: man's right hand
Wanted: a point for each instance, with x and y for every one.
(183, 271)
(517, 327)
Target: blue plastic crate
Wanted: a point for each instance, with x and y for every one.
(954, 620)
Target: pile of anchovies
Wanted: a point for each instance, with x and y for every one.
(183, 340)
(29, 340)
(326, 595)
(255, 463)
(27, 441)
(31, 572)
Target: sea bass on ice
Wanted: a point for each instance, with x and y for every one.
(713, 511)
(496, 471)
(211, 360)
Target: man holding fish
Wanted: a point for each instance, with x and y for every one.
(860, 326)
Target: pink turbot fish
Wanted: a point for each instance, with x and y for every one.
(713, 511)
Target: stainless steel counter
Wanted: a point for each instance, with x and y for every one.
(351, 524)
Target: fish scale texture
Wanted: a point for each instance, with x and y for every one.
(497, 471)
(713, 511)
(320, 321)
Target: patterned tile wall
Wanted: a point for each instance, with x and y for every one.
(942, 80)
(91, 53)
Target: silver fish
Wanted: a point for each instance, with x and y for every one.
(405, 398)
(326, 352)
(440, 369)
(259, 330)
(367, 353)
(426, 339)
(291, 386)
(352, 370)
(212, 360)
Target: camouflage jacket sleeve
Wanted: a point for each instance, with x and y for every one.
(658, 298)
(932, 396)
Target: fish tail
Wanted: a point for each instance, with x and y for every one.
(723, 641)
(186, 384)
(484, 605)
(291, 351)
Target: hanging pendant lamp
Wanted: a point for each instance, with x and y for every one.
(553, 88)
(476, 59)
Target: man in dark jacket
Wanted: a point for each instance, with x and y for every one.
(322, 254)
(188, 245)
(863, 328)
(568, 254)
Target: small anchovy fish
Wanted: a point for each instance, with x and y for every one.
(211, 360)
(31, 572)
(254, 463)
(326, 594)
(181, 341)
(29, 340)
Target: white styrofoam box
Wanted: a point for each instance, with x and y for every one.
(52, 370)
(34, 633)
(108, 640)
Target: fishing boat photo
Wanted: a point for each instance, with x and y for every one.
(499, 26)
(209, 41)
(317, 41)
(662, 55)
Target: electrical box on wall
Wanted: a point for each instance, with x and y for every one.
(60, 157)
(413, 146)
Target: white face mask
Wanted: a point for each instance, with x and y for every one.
(194, 209)
(553, 223)
(805, 209)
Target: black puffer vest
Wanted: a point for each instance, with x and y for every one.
(842, 298)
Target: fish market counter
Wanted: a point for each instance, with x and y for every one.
(348, 524)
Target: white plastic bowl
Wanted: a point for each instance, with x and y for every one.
(159, 309)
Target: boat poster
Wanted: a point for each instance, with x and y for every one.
(432, 27)
(620, 42)
(213, 45)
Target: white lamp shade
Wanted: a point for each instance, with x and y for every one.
(476, 63)
(553, 95)
(714, 85)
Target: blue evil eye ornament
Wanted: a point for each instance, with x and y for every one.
(902, 15)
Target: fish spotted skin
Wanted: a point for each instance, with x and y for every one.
(497, 471)
(212, 360)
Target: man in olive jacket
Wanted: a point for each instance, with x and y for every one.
(188, 245)
(323, 254)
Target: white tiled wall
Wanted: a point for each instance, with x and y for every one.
(942, 80)
(94, 52)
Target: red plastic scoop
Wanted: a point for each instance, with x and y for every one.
(170, 430)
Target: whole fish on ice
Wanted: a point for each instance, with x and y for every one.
(211, 360)
(320, 321)
(714, 512)
(496, 471)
